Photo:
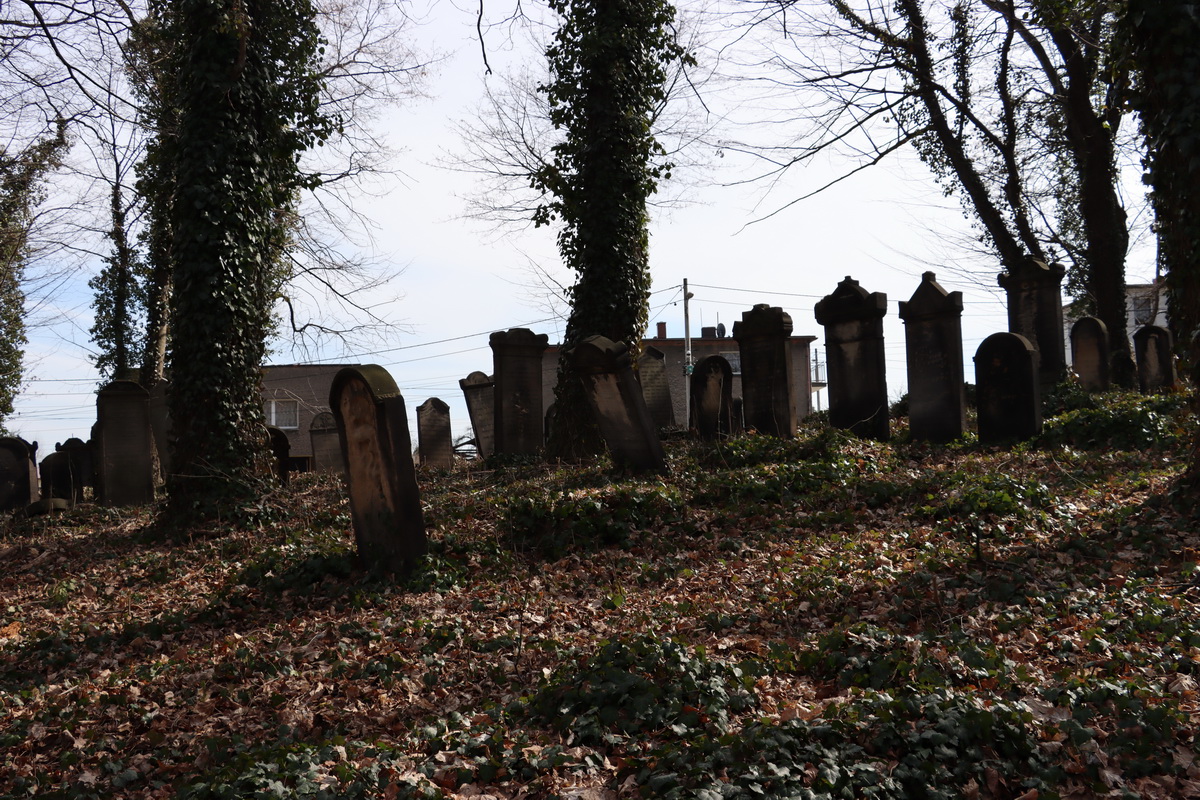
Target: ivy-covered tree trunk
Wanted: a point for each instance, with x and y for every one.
(607, 66)
(1163, 36)
(245, 80)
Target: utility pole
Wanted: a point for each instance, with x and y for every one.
(687, 358)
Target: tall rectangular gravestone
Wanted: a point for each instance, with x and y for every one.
(1155, 362)
(1007, 389)
(1089, 354)
(711, 388)
(652, 374)
(434, 441)
(615, 397)
(480, 393)
(124, 445)
(325, 443)
(519, 415)
(937, 406)
(853, 321)
(768, 404)
(1035, 311)
(385, 503)
(18, 473)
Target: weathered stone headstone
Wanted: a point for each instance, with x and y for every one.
(615, 397)
(857, 372)
(67, 470)
(519, 416)
(18, 473)
(1089, 353)
(385, 504)
(160, 425)
(1006, 389)
(326, 446)
(281, 451)
(937, 406)
(1035, 312)
(124, 445)
(768, 405)
(479, 391)
(652, 374)
(1155, 363)
(712, 397)
(434, 441)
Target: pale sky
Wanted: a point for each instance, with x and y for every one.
(884, 227)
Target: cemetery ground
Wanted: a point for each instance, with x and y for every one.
(823, 617)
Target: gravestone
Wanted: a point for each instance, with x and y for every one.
(160, 425)
(768, 405)
(385, 504)
(518, 414)
(712, 398)
(937, 405)
(1155, 364)
(652, 374)
(281, 451)
(124, 445)
(1089, 354)
(18, 473)
(857, 376)
(1007, 389)
(479, 391)
(615, 397)
(326, 446)
(435, 443)
(66, 471)
(1035, 312)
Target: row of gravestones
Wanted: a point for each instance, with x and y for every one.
(120, 463)
(1011, 368)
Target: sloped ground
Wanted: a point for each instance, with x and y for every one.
(818, 618)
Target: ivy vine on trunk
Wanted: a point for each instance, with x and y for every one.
(608, 74)
(245, 77)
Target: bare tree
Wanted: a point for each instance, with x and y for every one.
(1015, 105)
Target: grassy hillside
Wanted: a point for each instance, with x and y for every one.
(818, 618)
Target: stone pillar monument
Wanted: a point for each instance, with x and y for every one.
(519, 416)
(1035, 312)
(937, 406)
(853, 321)
(768, 404)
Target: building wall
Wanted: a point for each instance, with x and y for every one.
(673, 350)
(308, 386)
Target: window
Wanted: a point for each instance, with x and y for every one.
(284, 414)
(1143, 308)
(734, 357)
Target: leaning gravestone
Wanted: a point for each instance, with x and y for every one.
(519, 416)
(124, 454)
(937, 406)
(615, 397)
(853, 321)
(480, 393)
(652, 374)
(18, 474)
(712, 398)
(1035, 312)
(385, 504)
(1006, 389)
(1089, 353)
(768, 405)
(434, 441)
(1155, 363)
